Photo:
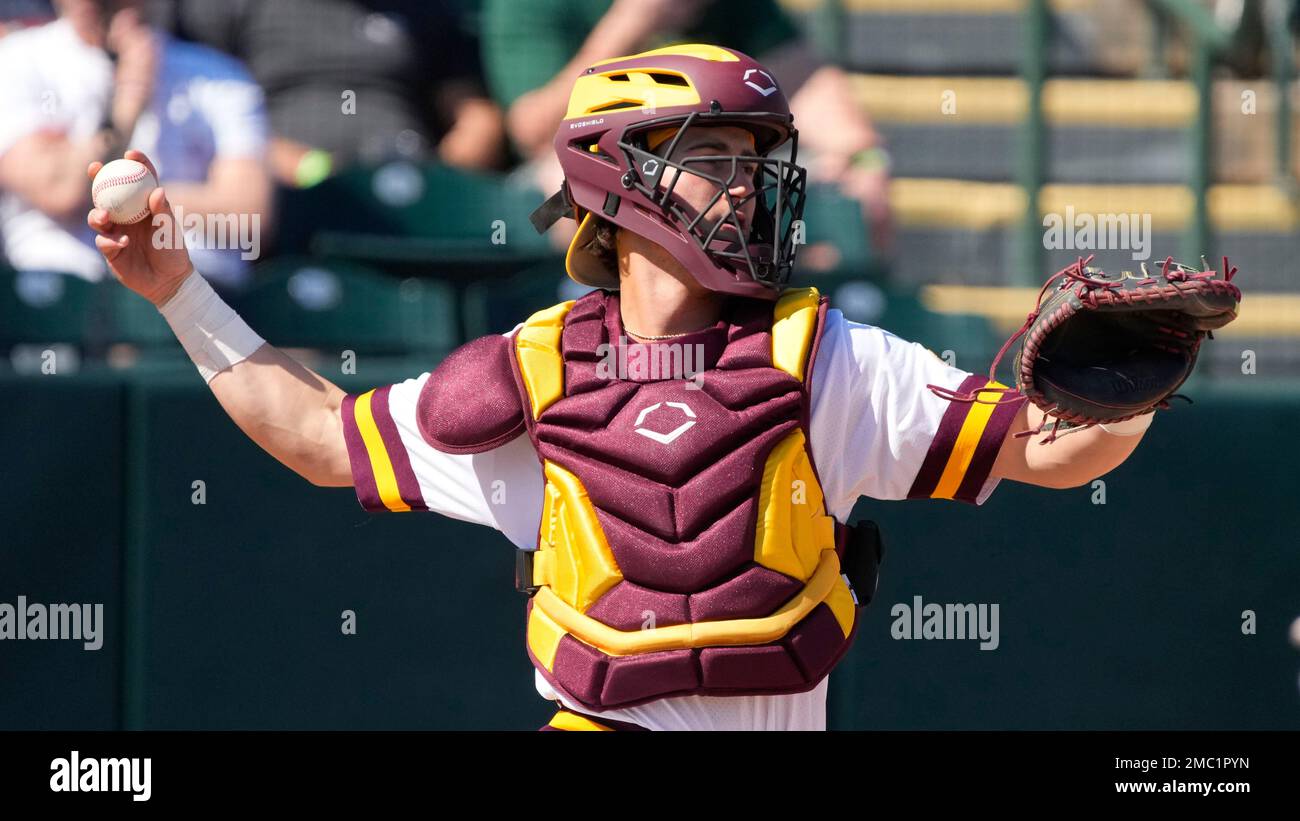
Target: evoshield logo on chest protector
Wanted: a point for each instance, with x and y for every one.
(670, 436)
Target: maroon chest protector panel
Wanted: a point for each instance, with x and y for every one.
(673, 468)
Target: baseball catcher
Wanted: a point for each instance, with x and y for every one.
(683, 445)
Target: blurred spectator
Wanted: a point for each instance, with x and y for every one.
(99, 80)
(1251, 23)
(358, 81)
(534, 48)
(17, 14)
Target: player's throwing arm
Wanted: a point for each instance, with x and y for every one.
(290, 411)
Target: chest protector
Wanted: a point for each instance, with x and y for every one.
(685, 547)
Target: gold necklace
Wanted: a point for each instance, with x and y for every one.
(660, 336)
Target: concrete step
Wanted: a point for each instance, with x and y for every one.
(1099, 131)
(1105, 37)
(964, 232)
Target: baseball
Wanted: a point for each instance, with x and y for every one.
(122, 189)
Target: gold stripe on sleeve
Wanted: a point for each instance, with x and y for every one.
(380, 465)
(968, 439)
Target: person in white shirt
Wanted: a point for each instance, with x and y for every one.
(730, 485)
(97, 79)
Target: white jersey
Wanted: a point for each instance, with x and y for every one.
(205, 106)
(876, 431)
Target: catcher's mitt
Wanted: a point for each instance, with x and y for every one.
(1105, 348)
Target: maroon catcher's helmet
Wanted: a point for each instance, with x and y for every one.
(625, 118)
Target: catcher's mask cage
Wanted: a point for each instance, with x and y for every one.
(621, 165)
(765, 250)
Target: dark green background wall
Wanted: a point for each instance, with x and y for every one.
(227, 615)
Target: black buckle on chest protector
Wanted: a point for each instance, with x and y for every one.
(524, 572)
(863, 552)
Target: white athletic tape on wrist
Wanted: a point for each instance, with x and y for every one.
(1130, 427)
(209, 330)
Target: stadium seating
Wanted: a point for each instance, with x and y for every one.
(37, 308)
(304, 302)
(942, 82)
